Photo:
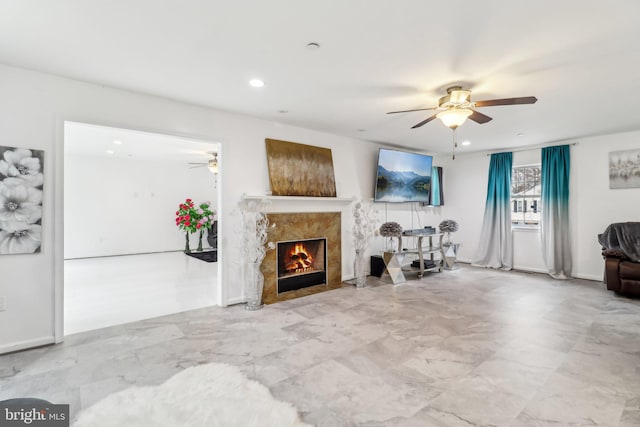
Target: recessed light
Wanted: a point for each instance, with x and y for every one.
(256, 82)
(110, 152)
(361, 130)
(117, 142)
(313, 46)
(519, 134)
(283, 111)
(466, 143)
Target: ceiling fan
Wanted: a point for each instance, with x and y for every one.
(212, 163)
(456, 106)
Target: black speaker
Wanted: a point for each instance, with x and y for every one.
(427, 263)
(377, 265)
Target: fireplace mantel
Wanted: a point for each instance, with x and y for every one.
(337, 200)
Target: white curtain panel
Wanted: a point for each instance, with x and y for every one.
(495, 248)
(556, 243)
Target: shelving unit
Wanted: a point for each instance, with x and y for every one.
(429, 250)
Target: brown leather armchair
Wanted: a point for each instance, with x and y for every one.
(621, 250)
(621, 274)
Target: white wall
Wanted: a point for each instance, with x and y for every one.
(131, 208)
(593, 204)
(465, 195)
(527, 253)
(33, 108)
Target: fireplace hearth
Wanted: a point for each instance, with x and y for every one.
(301, 264)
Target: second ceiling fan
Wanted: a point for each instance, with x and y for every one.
(456, 106)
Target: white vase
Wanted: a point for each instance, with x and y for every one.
(359, 269)
(254, 284)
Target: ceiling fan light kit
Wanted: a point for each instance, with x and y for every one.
(454, 117)
(213, 164)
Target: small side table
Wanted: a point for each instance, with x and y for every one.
(450, 255)
(393, 261)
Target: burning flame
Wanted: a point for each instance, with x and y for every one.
(300, 259)
(298, 249)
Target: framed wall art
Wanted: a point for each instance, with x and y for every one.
(300, 170)
(624, 169)
(21, 195)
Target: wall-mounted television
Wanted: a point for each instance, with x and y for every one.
(403, 177)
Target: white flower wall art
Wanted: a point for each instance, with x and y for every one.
(21, 193)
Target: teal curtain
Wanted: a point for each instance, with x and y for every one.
(436, 197)
(554, 224)
(495, 247)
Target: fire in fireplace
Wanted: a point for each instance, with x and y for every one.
(301, 263)
(299, 259)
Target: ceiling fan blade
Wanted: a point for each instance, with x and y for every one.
(198, 166)
(479, 117)
(507, 101)
(424, 122)
(197, 163)
(409, 111)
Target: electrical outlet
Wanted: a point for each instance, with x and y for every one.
(3, 303)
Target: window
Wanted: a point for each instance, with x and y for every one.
(526, 201)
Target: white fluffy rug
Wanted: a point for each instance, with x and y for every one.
(207, 395)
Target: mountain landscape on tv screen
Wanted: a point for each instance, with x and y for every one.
(401, 186)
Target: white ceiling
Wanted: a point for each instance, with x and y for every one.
(580, 58)
(98, 141)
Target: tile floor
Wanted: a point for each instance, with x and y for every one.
(469, 347)
(108, 291)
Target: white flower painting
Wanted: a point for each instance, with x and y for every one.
(21, 195)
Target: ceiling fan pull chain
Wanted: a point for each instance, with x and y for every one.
(455, 144)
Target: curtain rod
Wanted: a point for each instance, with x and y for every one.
(529, 148)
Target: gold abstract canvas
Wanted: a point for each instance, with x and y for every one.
(300, 170)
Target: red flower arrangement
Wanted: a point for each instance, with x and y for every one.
(192, 218)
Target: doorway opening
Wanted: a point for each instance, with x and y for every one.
(124, 240)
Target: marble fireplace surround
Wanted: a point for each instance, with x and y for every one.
(302, 226)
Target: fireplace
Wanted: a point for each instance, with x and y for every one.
(320, 233)
(301, 264)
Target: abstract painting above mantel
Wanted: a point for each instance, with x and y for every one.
(21, 195)
(300, 170)
(624, 169)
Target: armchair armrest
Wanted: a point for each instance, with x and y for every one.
(615, 253)
(612, 273)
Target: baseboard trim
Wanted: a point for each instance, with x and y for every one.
(23, 345)
(530, 270)
(535, 270)
(236, 300)
(588, 277)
